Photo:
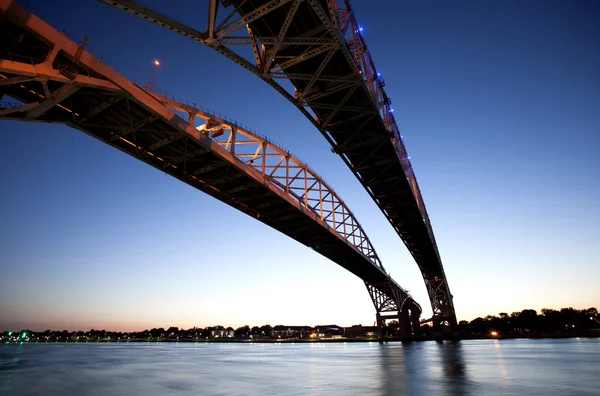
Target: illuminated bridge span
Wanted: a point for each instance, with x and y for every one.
(45, 77)
(317, 46)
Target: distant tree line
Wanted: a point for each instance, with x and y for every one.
(567, 321)
(171, 333)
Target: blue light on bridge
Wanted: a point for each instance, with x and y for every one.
(360, 28)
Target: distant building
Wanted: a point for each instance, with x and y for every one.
(221, 332)
(281, 331)
(358, 331)
(329, 331)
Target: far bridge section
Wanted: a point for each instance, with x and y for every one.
(45, 77)
(318, 47)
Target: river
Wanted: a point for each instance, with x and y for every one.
(475, 367)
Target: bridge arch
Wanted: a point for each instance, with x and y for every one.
(52, 79)
(317, 48)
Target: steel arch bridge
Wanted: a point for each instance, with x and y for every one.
(45, 77)
(317, 45)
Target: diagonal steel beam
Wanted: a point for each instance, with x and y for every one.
(318, 72)
(258, 57)
(339, 107)
(250, 17)
(47, 93)
(329, 91)
(309, 53)
(16, 109)
(45, 72)
(284, 28)
(16, 80)
(57, 96)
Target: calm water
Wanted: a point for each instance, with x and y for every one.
(482, 367)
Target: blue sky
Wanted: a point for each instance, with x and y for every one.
(499, 105)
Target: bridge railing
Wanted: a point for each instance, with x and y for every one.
(13, 57)
(151, 87)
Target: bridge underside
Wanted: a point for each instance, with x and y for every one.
(316, 45)
(44, 77)
(345, 113)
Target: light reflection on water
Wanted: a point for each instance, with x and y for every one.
(477, 367)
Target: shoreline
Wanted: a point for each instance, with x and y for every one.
(447, 337)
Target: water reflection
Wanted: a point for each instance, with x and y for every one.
(535, 367)
(454, 368)
(392, 365)
(501, 363)
(8, 365)
(413, 368)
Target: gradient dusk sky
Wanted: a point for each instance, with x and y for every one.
(499, 105)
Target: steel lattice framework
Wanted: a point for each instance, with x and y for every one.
(45, 77)
(318, 47)
(280, 168)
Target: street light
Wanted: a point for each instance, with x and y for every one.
(156, 65)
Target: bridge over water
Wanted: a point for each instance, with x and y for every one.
(45, 77)
(318, 47)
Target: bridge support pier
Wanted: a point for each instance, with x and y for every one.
(437, 325)
(404, 322)
(380, 324)
(442, 325)
(416, 324)
(390, 305)
(410, 323)
(444, 317)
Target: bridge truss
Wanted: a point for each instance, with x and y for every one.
(45, 77)
(313, 53)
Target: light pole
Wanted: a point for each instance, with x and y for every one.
(156, 65)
